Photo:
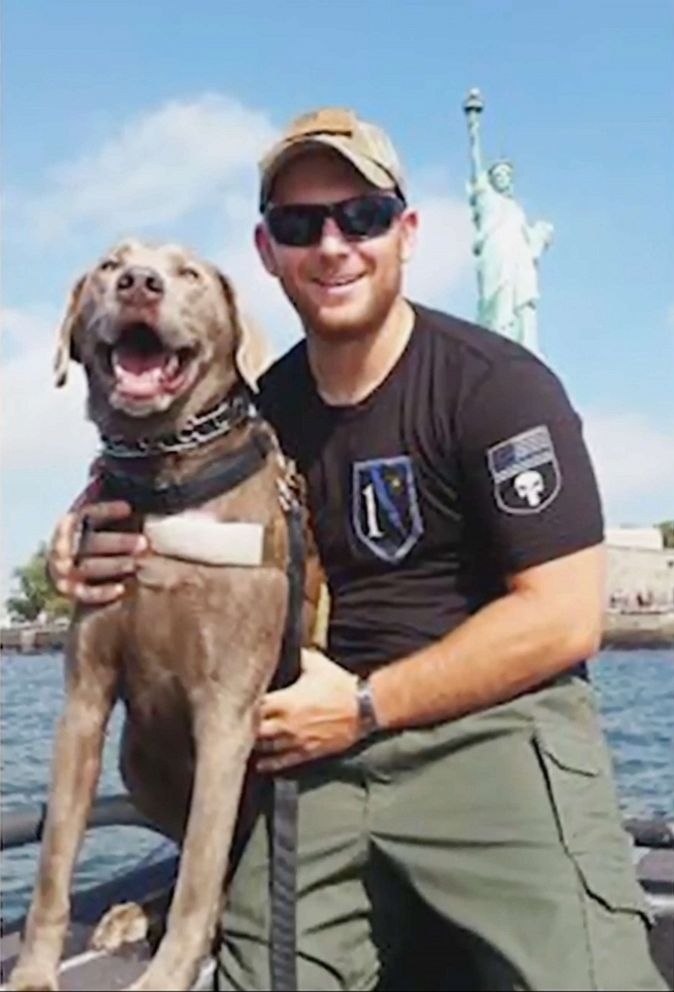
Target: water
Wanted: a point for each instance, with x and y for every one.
(635, 691)
(31, 695)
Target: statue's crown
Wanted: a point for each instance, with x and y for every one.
(498, 162)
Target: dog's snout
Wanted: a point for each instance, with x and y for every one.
(137, 279)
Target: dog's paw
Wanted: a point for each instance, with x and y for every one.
(32, 978)
(125, 923)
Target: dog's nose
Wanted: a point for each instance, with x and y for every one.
(137, 279)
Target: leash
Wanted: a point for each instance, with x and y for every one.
(283, 882)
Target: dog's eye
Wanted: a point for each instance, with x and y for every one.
(190, 273)
(109, 265)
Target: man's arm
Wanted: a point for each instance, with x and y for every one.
(549, 620)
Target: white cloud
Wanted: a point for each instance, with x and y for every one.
(43, 427)
(634, 461)
(23, 328)
(158, 167)
(258, 292)
(47, 443)
(442, 258)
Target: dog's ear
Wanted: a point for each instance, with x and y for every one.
(252, 351)
(253, 356)
(65, 348)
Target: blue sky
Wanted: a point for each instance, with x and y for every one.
(146, 117)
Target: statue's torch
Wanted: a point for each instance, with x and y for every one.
(473, 106)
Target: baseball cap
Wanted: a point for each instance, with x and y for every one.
(366, 146)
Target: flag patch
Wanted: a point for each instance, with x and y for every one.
(525, 471)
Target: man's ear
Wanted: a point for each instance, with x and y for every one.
(409, 229)
(252, 355)
(65, 347)
(265, 249)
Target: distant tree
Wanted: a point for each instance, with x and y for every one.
(666, 528)
(36, 595)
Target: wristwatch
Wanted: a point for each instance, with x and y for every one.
(367, 716)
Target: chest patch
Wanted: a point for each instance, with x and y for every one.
(525, 472)
(385, 506)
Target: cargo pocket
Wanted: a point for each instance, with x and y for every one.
(579, 782)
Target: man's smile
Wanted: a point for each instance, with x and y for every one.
(336, 283)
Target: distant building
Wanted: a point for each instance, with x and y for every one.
(640, 570)
(635, 537)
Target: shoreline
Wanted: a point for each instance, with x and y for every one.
(621, 631)
(638, 630)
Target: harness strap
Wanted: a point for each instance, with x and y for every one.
(149, 496)
(283, 937)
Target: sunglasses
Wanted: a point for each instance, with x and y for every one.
(299, 225)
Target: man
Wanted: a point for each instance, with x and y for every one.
(452, 776)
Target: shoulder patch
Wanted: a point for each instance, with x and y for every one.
(525, 471)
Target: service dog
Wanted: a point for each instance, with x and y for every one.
(193, 642)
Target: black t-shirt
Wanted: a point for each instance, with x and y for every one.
(464, 465)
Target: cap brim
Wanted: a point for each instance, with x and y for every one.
(372, 171)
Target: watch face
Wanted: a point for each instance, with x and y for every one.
(367, 716)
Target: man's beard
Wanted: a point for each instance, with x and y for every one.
(348, 329)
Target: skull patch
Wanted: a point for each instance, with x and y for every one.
(525, 471)
(530, 486)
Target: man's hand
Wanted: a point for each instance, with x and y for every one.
(315, 717)
(79, 557)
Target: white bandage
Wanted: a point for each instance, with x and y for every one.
(194, 536)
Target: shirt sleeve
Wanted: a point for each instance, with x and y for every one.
(529, 482)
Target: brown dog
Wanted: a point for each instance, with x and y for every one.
(192, 645)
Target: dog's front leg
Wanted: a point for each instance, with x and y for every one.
(76, 766)
(224, 740)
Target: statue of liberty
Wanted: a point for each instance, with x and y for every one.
(506, 247)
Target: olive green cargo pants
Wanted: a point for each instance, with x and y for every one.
(495, 836)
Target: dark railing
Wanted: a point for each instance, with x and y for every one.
(24, 824)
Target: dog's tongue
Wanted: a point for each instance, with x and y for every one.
(139, 374)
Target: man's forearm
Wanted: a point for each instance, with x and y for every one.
(510, 645)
